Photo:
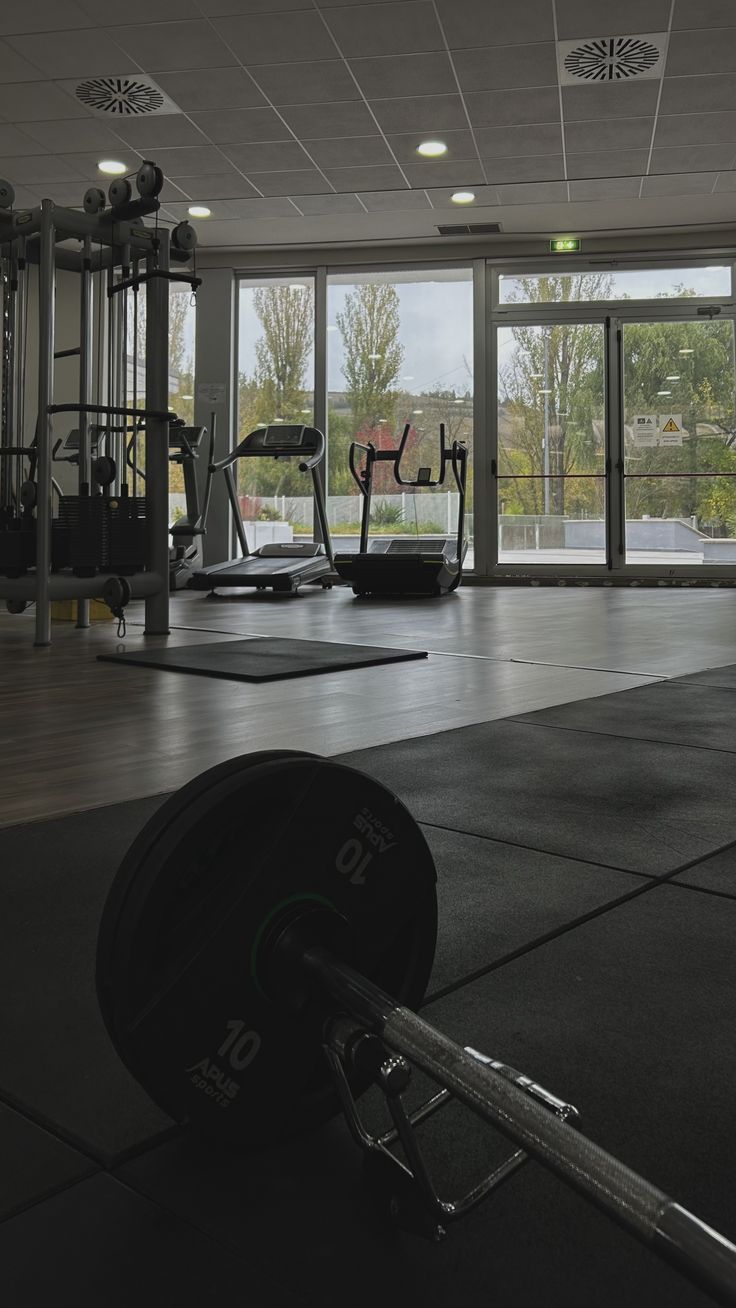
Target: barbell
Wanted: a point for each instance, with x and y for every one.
(260, 954)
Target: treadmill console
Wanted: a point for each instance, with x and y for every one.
(287, 441)
(284, 436)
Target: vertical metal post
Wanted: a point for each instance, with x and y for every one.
(21, 322)
(46, 314)
(157, 436)
(86, 309)
(615, 501)
(545, 469)
(7, 433)
(320, 389)
(485, 425)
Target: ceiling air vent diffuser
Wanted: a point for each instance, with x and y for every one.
(122, 97)
(469, 229)
(611, 58)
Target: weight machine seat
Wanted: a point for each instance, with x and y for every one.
(183, 528)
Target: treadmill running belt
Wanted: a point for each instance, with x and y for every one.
(263, 658)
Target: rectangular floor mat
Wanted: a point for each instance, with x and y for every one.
(264, 658)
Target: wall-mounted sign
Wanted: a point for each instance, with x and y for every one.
(565, 245)
(212, 392)
(670, 429)
(645, 429)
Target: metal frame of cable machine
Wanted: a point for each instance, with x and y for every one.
(109, 242)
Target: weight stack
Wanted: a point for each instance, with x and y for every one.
(127, 534)
(18, 547)
(87, 520)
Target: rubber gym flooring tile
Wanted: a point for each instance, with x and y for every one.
(680, 713)
(636, 805)
(725, 677)
(57, 1061)
(263, 659)
(34, 1162)
(715, 873)
(99, 1244)
(496, 898)
(631, 1016)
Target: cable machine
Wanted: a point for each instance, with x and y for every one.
(102, 541)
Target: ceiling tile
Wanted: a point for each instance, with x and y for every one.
(704, 13)
(394, 201)
(312, 205)
(423, 113)
(694, 129)
(460, 145)
(69, 194)
(241, 125)
(365, 179)
(385, 29)
(440, 172)
(485, 197)
(324, 121)
(726, 182)
(509, 108)
(218, 186)
(530, 168)
(496, 142)
(352, 151)
(174, 46)
(693, 159)
(26, 102)
(305, 181)
(62, 135)
(710, 51)
(617, 100)
(682, 95)
(224, 235)
(270, 207)
(534, 193)
(605, 188)
(496, 67)
(105, 14)
(267, 156)
(160, 130)
(413, 74)
(609, 134)
(189, 161)
(13, 142)
(474, 23)
(220, 88)
(40, 168)
(607, 163)
(171, 192)
(681, 184)
(323, 81)
(583, 18)
(41, 16)
(269, 39)
(70, 54)
(219, 8)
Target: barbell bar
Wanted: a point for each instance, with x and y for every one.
(262, 949)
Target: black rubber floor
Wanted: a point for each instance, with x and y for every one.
(264, 658)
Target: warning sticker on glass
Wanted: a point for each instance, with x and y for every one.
(670, 429)
(645, 429)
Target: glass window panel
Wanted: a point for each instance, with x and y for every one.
(400, 351)
(681, 520)
(275, 385)
(532, 528)
(593, 285)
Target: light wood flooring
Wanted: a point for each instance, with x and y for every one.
(76, 733)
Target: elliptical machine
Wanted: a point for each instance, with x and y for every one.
(186, 532)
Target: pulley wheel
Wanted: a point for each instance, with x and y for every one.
(149, 179)
(94, 200)
(7, 195)
(184, 237)
(180, 965)
(104, 470)
(119, 192)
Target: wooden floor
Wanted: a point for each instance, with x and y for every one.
(76, 733)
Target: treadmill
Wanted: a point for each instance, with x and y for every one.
(423, 566)
(279, 567)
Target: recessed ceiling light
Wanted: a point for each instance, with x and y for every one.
(664, 392)
(463, 197)
(685, 351)
(186, 397)
(112, 167)
(432, 149)
(541, 392)
(375, 356)
(675, 376)
(306, 410)
(536, 374)
(297, 286)
(199, 211)
(458, 401)
(416, 412)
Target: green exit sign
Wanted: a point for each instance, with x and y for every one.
(566, 245)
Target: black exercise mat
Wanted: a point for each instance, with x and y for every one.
(57, 1060)
(630, 1016)
(715, 873)
(630, 804)
(34, 1162)
(725, 676)
(681, 712)
(264, 658)
(99, 1244)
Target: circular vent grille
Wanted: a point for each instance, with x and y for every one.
(612, 60)
(120, 95)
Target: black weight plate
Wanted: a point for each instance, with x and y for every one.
(178, 948)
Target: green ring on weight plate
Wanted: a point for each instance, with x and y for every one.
(299, 898)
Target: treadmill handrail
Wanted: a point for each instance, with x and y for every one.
(359, 478)
(399, 454)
